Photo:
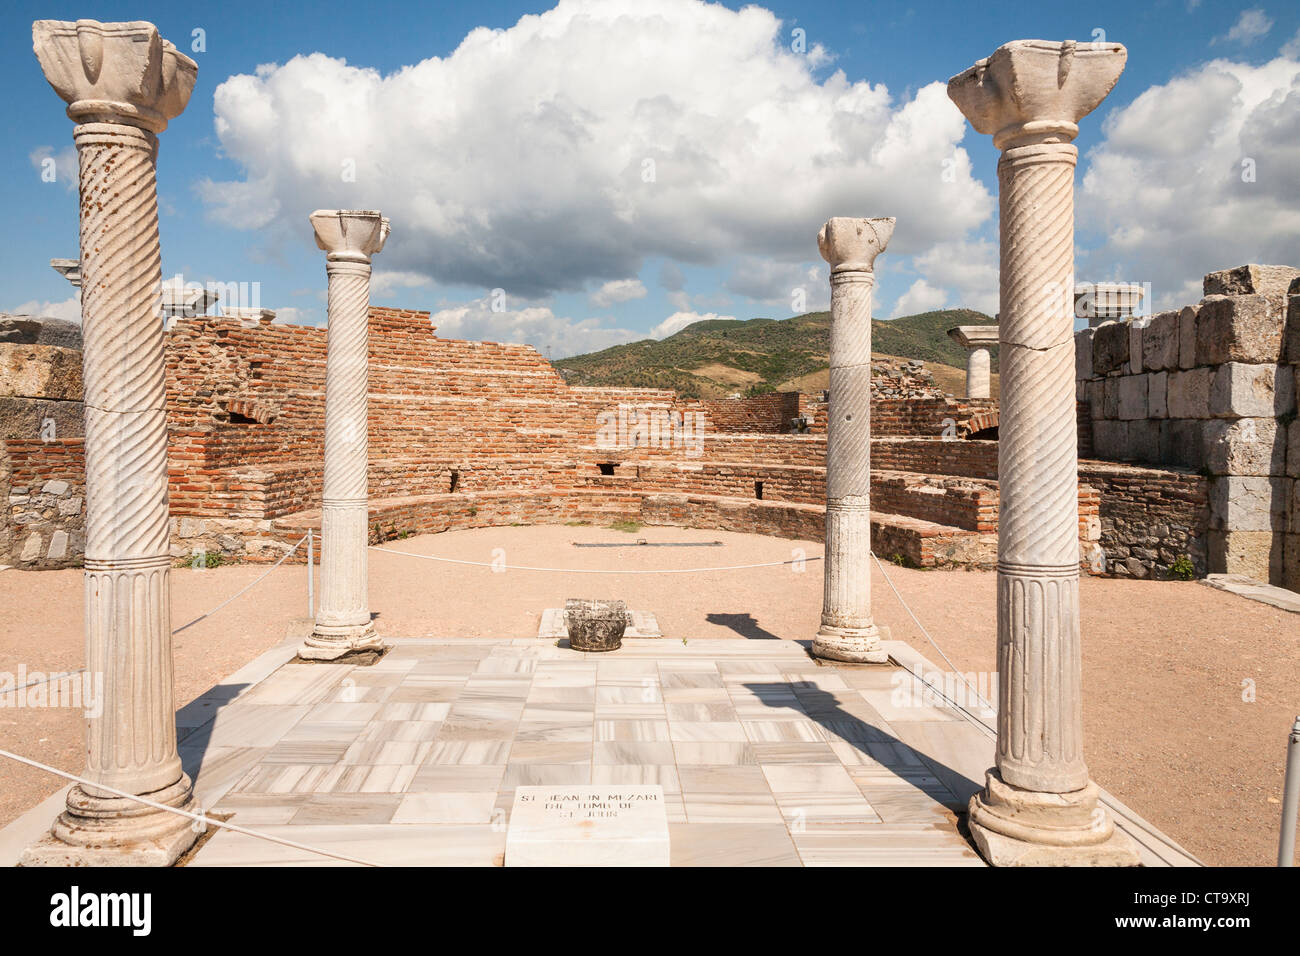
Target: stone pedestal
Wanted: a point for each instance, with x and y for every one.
(977, 339)
(1038, 806)
(847, 631)
(343, 627)
(122, 83)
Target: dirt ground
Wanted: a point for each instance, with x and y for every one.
(1189, 692)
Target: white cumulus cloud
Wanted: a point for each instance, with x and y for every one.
(67, 309)
(1250, 26)
(679, 320)
(505, 164)
(618, 290)
(1198, 174)
(535, 325)
(920, 297)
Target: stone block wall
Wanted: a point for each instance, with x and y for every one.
(41, 466)
(1212, 388)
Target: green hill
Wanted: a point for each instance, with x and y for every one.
(720, 357)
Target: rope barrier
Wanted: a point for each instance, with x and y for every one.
(198, 817)
(520, 567)
(284, 558)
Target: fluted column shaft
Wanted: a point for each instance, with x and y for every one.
(846, 600)
(343, 628)
(847, 631)
(1040, 718)
(978, 370)
(343, 601)
(128, 602)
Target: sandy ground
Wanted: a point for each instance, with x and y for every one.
(1171, 728)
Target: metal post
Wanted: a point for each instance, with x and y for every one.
(1290, 798)
(311, 574)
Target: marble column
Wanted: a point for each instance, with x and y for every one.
(847, 631)
(1039, 806)
(122, 83)
(343, 628)
(976, 339)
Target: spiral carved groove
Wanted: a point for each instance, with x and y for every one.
(1040, 711)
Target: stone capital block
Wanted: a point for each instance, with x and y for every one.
(1133, 392)
(1160, 342)
(1187, 336)
(1189, 393)
(350, 234)
(1243, 328)
(851, 245)
(122, 73)
(1110, 347)
(1036, 91)
(1248, 503)
(1158, 394)
(1245, 446)
(1252, 391)
(1250, 280)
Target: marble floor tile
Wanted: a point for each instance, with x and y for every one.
(717, 752)
(550, 752)
(706, 731)
(446, 807)
(631, 729)
(353, 808)
(731, 844)
(632, 752)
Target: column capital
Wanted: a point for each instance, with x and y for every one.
(1036, 91)
(123, 73)
(350, 235)
(974, 336)
(851, 245)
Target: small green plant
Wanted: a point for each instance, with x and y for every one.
(577, 524)
(625, 525)
(1182, 568)
(901, 560)
(473, 511)
(404, 534)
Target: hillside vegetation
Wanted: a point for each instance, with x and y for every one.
(716, 358)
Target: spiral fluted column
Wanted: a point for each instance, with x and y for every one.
(847, 631)
(343, 627)
(1038, 806)
(122, 83)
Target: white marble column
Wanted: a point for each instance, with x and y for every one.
(1038, 806)
(122, 83)
(343, 627)
(976, 339)
(847, 631)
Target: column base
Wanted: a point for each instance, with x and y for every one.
(336, 644)
(117, 832)
(1015, 827)
(851, 645)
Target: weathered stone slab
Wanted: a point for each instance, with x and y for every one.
(1256, 554)
(1189, 393)
(1136, 330)
(40, 371)
(1250, 279)
(1293, 449)
(1187, 336)
(1247, 503)
(1245, 328)
(1133, 391)
(1157, 394)
(1291, 333)
(1252, 391)
(30, 330)
(1110, 440)
(24, 418)
(1181, 442)
(612, 825)
(1110, 347)
(1083, 353)
(1245, 446)
(1160, 342)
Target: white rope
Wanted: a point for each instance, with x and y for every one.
(906, 607)
(199, 817)
(519, 567)
(243, 590)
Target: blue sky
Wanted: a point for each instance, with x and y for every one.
(514, 164)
